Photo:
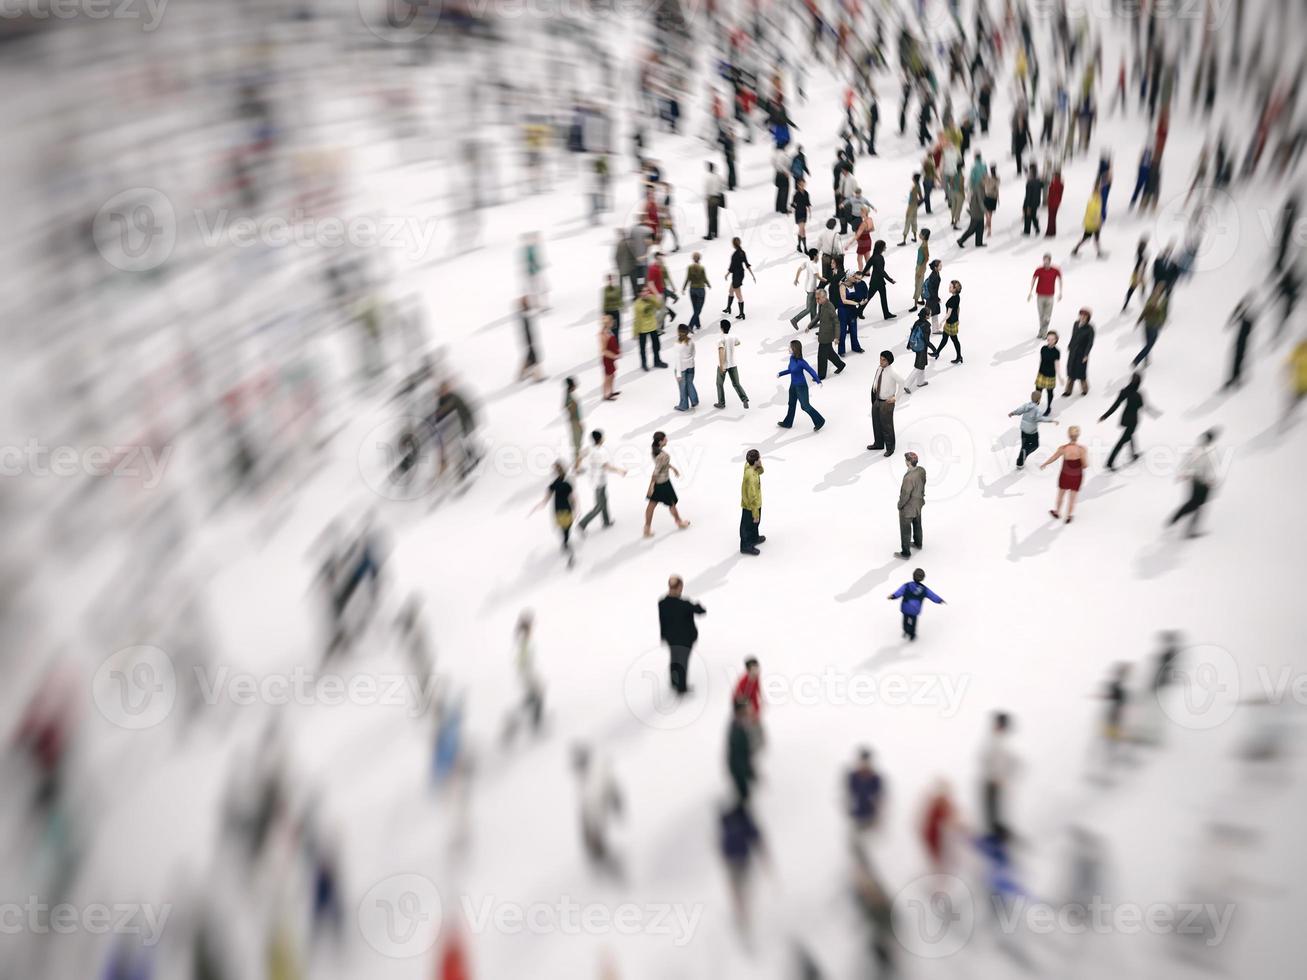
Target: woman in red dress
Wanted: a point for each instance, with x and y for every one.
(1074, 460)
(609, 350)
(1055, 191)
(865, 227)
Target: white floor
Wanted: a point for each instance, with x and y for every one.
(1037, 612)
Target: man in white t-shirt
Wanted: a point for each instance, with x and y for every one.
(600, 463)
(812, 278)
(726, 345)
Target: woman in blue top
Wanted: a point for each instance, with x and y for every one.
(799, 388)
(912, 593)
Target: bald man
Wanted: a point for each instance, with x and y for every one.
(677, 627)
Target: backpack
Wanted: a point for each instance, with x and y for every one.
(917, 338)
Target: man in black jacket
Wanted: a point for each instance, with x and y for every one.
(678, 630)
(739, 751)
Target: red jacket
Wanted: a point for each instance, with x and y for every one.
(750, 689)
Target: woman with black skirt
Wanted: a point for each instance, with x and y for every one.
(876, 266)
(739, 263)
(661, 490)
(801, 205)
(951, 324)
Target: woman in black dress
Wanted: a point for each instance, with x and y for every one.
(1049, 371)
(560, 492)
(739, 263)
(661, 490)
(1077, 354)
(876, 266)
(801, 205)
(951, 322)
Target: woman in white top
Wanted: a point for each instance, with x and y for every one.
(683, 363)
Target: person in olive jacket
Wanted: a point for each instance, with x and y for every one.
(828, 331)
(678, 630)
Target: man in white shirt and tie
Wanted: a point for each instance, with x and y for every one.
(885, 389)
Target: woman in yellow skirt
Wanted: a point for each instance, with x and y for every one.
(1049, 376)
(951, 323)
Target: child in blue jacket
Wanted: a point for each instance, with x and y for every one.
(912, 593)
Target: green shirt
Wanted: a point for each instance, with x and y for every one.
(695, 277)
(646, 314)
(751, 490)
(612, 298)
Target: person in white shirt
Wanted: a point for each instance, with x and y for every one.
(713, 198)
(780, 162)
(831, 245)
(1200, 470)
(683, 365)
(726, 345)
(599, 462)
(812, 278)
(997, 765)
(885, 389)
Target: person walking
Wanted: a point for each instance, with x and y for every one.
(919, 345)
(697, 285)
(1200, 470)
(827, 332)
(660, 489)
(977, 215)
(930, 293)
(1029, 427)
(998, 766)
(1093, 222)
(1244, 318)
(609, 351)
(989, 188)
(624, 258)
(885, 389)
(914, 206)
(1045, 281)
(1030, 203)
(751, 504)
(923, 265)
(863, 789)
(610, 300)
(876, 284)
(739, 750)
(645, 314)
(1131, 402)
(572, 409)
(1074, 462)
(739, 263)
(912, 498)
(1153, 319)
(560, 492)
(951, 323)
(1050, 370)
(726, 346)
(810, 271)
(1077, 353)
(1056, 188)
(796, 370)
(1138, 274)
(714, 199)
(530, 359)
(831, 245)
(677, 628)
(683, 368)
(781, 165)
(912, 594)
(801, 206)
(853, 295)
(599, 463)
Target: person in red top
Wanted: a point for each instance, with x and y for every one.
(1046, 279)
(453, 960)
(651, 213)
(749, 690)
(1055, 190)
(938, 824)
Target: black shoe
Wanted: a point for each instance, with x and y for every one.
(891, 316)
(889, 452)
(739, 316)
(660, 364)
(750, 551)
(902, 554)
(874, 448)
(839, 369)
(956, 360)
(785, 425)
(760, 539)
(719, 405)
(818, 426)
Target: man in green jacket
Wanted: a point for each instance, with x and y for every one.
(751, 504)
(646, 311)
(828, 331)
(612, 300)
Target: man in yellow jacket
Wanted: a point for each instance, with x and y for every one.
(751, 504)
(646, 312)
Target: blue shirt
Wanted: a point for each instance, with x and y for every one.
(912, 594)
(795, 370)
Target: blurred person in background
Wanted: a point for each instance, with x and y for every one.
(863, 789)
(532, 708)
(998, 767)
(530, 360)
(609, 351)
(740, 748)
(749, 690)
(742, 847)
(940, 827)
(601, 803)
(1244, 318)
(564, 500)
(1199, 468)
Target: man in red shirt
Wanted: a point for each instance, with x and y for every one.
(749, 690)
(1042, 284)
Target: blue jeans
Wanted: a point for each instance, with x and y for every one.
(799, 397)
(1150, 338)
(697, 293)
(849, 328)
(689, 396)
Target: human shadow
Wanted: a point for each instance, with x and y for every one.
(1017, 352)
(653, 426)
(1272, 435)
(998, 488)
(847, 472)
(1100, 486)
(1213, 401)
(1158, 558)
(535, 570)
(886, 655)
(717, 575)
(701, 420)
(869, 581)
(629, 551)
(1034, 544)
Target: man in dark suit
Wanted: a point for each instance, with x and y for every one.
(677, 627)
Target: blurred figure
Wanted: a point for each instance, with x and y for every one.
(998, 767)
(740, 749)
(940, 825)
(877, 909)
(863, 789)
(601, 802)
(742, 848)
(1200, 470)
(532, 707)
(749, 690)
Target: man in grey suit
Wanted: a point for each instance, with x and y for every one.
(912, 497)
(828, 328)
